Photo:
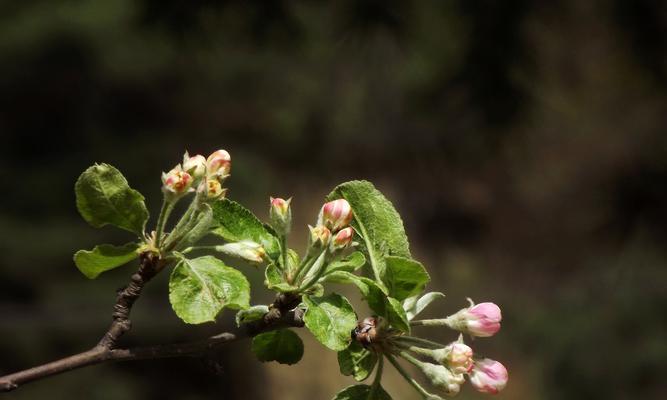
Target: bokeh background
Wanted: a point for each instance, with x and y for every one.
(523, 142)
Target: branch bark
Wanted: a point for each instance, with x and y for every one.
(282, 313)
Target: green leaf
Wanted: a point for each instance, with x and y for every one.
(396, 315)
(235, 223)
(274, 280)
(201, 287)
(414, 305)
(283, 346)
(369, 289)
(330, 319)
(103, 197)
(357, 361)
(104, 257)
(253, 313)
(350, 263)
(362, 392)
(376, 221)
(405, 277)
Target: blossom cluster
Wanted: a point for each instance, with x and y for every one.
(453, 362)
(206, 175)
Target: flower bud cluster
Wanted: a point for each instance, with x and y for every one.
(332, 230)
(205, 174)
(453, 362)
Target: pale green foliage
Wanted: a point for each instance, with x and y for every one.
(201, 287)
(104, 257)
(253, 313)
(274, 280)
(235, 223)
(376, 221)
(330, 319)
(405, 277)
(415, 304)
(282, 346)
(362, 392)
(357, 361)
(396, 315)
(103, 197)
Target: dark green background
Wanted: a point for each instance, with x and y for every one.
(524, 143)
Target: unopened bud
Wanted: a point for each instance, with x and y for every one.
(488, 376)
(176, 181)
(457, 356)
(336, 215)
(195, 165)
(482, 320)
(319, 236)
(442, 378)
(342, 239)
(219, 164)
(280, 215)
(245, 249)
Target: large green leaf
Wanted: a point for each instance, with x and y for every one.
(330, 319)
(376, 221)
(104, 257)
(235, 223)
(201, 287)
(357, 361)
(283, 346)
(405, 277)
(362, 392)
(103, 197)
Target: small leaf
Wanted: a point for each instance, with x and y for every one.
(274, 280)
(376, 221)
(235, 223)
(283, 346)
(396, 315)
(362, 392)
(330, 319)
(357, 361)
(350, 263)
(405, 277)
(201, 287)
(104, 258)
(103, 197)
(415, 305)
(253, 313)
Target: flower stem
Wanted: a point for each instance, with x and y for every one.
(419, 341)
(165, 210)
(408, 378)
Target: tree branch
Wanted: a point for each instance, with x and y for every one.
(282, 313)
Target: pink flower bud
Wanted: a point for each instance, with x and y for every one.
(343, 238)
(488, 376)
(280, 215)
(457, 356)
(319, 236)
(336, 214)
(482, 320)
(195, 166)
(176, 181)
(219, 163)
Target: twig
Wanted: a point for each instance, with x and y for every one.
(283, 313)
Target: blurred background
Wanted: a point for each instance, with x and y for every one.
(523, 142)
